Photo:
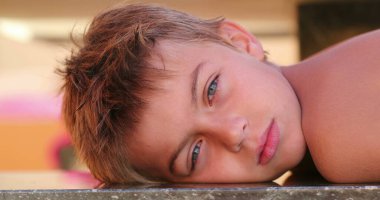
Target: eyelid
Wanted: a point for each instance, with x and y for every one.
(211, 79)
(190, 155)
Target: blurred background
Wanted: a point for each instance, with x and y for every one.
(34, 41)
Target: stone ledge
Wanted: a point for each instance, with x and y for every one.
(204, 191)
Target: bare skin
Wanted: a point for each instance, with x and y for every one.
(339, 93)
(225, 115)
(338, 106)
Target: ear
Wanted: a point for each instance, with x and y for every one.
(241, 39)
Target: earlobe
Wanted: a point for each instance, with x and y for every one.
(241, 39)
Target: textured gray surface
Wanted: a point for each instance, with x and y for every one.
(245, 191)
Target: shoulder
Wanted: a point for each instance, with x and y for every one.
(341, 110)
(362, 48)
(362, 43)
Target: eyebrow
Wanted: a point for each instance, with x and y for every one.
(194, 83)
(176, 153)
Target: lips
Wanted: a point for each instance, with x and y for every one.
(269, 143)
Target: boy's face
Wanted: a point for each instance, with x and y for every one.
(223, 116)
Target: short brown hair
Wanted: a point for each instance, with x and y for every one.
(106, 81)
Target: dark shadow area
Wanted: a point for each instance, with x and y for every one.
(324, 23)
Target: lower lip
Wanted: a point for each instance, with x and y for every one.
(270, 143)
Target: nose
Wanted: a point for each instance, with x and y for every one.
(229, 131)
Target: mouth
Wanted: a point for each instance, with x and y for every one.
(269, 143)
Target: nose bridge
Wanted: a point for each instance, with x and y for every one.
(226, 129)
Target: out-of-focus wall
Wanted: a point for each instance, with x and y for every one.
(29, 103)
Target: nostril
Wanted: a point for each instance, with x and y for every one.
(239, 145)
(245, 126)
(242, 135)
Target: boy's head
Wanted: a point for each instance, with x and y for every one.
(107, 81)
(119, 81)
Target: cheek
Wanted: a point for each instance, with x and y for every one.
(277, 91)
(224, 166)
(270, 95)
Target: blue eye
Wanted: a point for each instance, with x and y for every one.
(195, 154)
(212, 90)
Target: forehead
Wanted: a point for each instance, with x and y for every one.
(167, 54)
(170, 55)
(165, 115)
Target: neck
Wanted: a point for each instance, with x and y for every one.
(298, 79)
(302, 78)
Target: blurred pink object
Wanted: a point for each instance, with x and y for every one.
(81, 177)
(30, 107)
(59, 144)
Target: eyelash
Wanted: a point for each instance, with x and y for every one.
(195, 154)
(214, 86)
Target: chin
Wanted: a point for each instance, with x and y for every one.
(297, 157)
(290, 159)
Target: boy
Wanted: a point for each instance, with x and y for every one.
(158, 95)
